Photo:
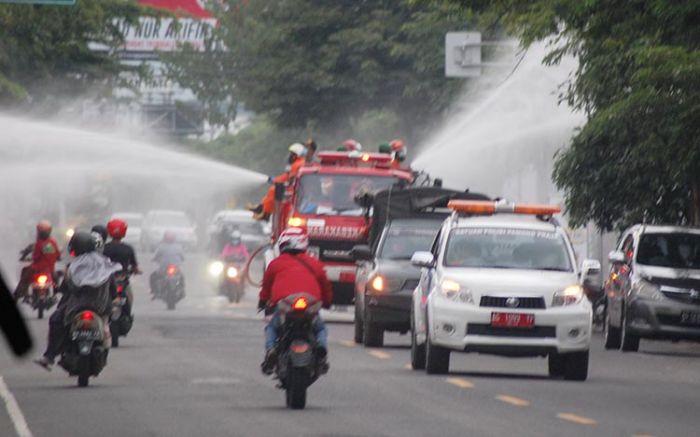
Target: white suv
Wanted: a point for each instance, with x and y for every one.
(501, 279)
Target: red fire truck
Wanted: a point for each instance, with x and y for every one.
(322, 200)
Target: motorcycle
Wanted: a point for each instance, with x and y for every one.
(42, 297)
(171, 286)
(230, 275)
(298, 364)
(85, 354)
(120, 319)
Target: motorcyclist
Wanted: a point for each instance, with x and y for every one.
(293, 271)
(89, 284)
(295, 160)
(168, 253)
(234, 249)
(45, 254)
(399, 151)
(122, 253)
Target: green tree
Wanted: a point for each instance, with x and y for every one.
(45, 51)
(638, 155)
(317, 62)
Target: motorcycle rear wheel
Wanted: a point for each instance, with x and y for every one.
(83, 371)
(297, 382)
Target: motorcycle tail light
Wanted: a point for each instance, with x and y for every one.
(87, 316)
(120, 288)
(299, 348)
(300, 304)
(171, 270)
(42, 279)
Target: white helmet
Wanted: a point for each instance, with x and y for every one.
(293, 239)
(298, 149)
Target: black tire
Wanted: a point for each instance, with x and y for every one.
(611, 333)
(629, 342)
(576, 366)
(296, 388)
(359, 332)
(437, 359)
(239, 295)
(374, 334)
(171, 304)
(83, 371)
(556, 364)
(417, 353)
(41, 311)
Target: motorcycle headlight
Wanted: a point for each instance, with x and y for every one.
(232, 272)
(648, 290)
(569, 296)
(453, 290)
(216, 268)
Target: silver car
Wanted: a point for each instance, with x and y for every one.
(504, 284)
(158, 222)
(653, 290)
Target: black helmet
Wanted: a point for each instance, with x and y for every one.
(100, 229)
(81, 242)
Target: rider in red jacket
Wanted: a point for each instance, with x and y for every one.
(294, 271)
(45, 254)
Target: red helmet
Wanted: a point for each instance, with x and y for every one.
(397, 145)
(43, 229)
(352, 145)
(293, 239)
(169, 236)
(116, 228)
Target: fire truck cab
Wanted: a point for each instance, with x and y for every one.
(321, 200)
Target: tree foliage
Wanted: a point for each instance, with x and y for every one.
(45, 50)
(314, 62)
(638, 155)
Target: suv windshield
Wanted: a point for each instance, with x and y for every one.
(402, 241)
(677, 250)
(334, 194)
(505, 248)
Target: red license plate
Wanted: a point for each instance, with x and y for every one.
(512, 320)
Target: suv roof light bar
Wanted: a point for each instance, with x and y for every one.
(490, 207)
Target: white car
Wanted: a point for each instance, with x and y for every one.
(157, 222)
(253, 233)
(501, 283)
(134, 221)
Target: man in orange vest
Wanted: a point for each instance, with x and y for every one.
(296, 160)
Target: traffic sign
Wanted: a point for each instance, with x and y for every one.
(463, 54)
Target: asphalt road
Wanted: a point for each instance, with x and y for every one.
(195, 372)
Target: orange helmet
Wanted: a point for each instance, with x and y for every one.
(397, 145)
(116, 228)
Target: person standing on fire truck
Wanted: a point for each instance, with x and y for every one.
(295, 160)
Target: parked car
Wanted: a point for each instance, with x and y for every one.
(133, 232)
(653, 289)
(157, 222)
(501, 279)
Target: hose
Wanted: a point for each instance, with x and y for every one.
(246, 271)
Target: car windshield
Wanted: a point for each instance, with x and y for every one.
(243, 227)
(402, 241)
(677, 250)
(507, 249)
(326, 194)
(175, 220)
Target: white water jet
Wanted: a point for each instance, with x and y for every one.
(502, 138)
(77, 178)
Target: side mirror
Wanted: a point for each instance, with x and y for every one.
(423, 259)
(590, 274)
(617, 257)
(361, 253)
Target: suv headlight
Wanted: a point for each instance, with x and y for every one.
(648, 290)
(569, 296)
(453, 290)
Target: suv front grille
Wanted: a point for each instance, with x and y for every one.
(535, 332)
(519, 302)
